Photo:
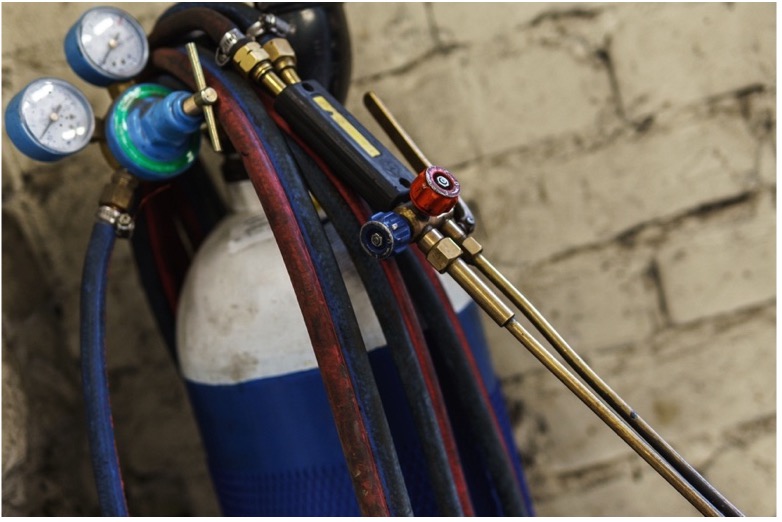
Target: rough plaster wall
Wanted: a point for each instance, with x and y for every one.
(622, 162)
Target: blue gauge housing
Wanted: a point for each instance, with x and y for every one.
(21, 136)
(80, 61)
(150, 135)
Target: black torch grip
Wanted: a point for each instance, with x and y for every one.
(348, 148)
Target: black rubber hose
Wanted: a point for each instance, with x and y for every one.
(394, 329)
(447, 345)
(241, 14)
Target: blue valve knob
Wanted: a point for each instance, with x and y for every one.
(385, 234)
(149, 133)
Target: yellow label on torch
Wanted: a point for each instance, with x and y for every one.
(346, 126)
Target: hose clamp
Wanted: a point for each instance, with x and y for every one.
(269, 23)
(223, 51)
(121, 221)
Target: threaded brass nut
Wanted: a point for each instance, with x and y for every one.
(280, 48)
(445, 252)
(120, 191)
(249, 56)
(471, 246)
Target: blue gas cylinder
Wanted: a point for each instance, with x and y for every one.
(271, 443)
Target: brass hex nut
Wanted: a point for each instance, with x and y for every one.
(471, 246)
(445, 252)
(249, 56)
(120, 191)
(279, 48)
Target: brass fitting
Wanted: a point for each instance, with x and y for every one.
(108, 156)
(419, 223)
(469, 244)
(255, 63)
(283, 57)
(471, 247)
(193, 105)
(440, 251)
(120, 192)
(116, 89)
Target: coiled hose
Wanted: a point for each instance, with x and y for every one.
(405, 340)
(95, 384)
(498, 455)
(333, 329)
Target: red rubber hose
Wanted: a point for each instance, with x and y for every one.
(181, 23)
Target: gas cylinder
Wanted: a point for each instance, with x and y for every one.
(244, 352)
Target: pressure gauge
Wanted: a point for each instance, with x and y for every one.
(106, 45)
(49, 119)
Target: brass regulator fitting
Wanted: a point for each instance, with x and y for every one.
(283, 58)
(255, 63)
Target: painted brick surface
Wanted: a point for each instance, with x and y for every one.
(720, 268)
(621, 161)
(671, 55)
(388, 36)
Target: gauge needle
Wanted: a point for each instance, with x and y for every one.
(113, 44)
(53, 117)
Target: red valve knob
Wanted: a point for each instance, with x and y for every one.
(435, 191)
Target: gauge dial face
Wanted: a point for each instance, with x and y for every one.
(113, 42)
(57, 115)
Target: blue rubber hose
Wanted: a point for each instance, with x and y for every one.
(100, 427)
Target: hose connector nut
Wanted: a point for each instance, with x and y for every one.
(283, 57)
(385, 234)
(435, 191)
(249, 56)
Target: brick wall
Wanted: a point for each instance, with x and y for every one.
(621, 160)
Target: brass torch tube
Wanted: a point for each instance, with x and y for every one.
(272, 82)
(601, 387)
(503, 316)
(612, 420)
(418, 160)
(290, 76)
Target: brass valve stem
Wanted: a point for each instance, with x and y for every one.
(194, 104)
(445, 256)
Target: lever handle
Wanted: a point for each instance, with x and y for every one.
(205, 96)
